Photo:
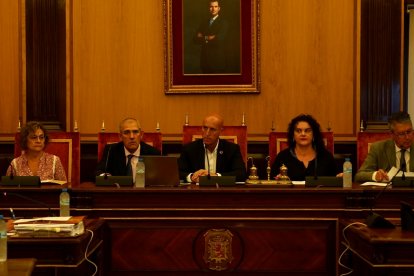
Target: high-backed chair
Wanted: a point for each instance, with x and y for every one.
(235, 134)
(65, 145)
(364, 141)
(151, 138)
(278, 142)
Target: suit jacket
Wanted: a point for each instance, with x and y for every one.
(213, 54)
(229, 159)
(380, 156)
(115, 164)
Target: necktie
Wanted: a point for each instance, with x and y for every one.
(403, 165)
(129, 166)
(211, 21)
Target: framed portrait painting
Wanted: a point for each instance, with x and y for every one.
(211, 46)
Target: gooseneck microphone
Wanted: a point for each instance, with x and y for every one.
(375, 220)
(403, 168)
(315, 172)
(208, 162)
(7, 194)
(106, 163)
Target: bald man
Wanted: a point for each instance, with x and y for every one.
(115, 157)
(211, 153)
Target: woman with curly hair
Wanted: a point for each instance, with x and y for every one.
(34, 161)
(306, 154)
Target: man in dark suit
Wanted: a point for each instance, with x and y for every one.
(397, 152)
(211, 35)
(121, 158)
(211, 155)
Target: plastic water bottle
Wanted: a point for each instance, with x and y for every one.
(64, 200)
(140, 173)
(347, 170)
(3, 239)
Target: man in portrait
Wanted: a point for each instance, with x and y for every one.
(215, 39)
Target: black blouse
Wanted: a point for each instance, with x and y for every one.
(324, 163)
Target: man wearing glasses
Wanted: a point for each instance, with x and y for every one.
(211, 155)
(121, 158)
(397, 152)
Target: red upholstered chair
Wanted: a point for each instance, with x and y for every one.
(65, 145)
(235, 134)
(151, 138)
(278, 142)
(364, 141)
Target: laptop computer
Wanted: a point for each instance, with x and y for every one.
(20, 181)
(114, 181)
(217, 181)
(161, 171)
(323, 181)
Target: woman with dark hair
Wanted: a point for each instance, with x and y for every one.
(34, 161)
(306, 154)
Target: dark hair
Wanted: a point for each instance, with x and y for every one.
(317, 142)
(398, 118)
(31, 127)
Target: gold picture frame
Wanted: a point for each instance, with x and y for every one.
(222, 59)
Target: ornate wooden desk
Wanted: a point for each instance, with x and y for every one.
(192, 230)
(380, 251)
(63, 255)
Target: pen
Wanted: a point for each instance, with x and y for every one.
(12, 213)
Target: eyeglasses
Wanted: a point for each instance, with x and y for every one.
(306, 130)
(128, 132)
(403, 134)
(37, 137)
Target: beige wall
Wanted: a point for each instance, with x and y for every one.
(308, 64)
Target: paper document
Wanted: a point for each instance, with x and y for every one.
(391, 174)
(49, 226)
(378, 184)
(54, 181)
(42, 219)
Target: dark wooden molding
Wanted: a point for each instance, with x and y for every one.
(46, 62)
(380, 61)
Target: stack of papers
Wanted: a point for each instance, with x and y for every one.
(50, 226)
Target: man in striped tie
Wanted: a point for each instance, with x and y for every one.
(396, 152)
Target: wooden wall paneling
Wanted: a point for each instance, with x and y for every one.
(381, 31)
(9, 65)
(307, 65)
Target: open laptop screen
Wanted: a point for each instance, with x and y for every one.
(161, 171)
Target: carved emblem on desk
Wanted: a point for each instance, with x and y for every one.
(218, 249)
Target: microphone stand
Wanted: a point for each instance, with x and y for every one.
(106, 163)
(375, 220)
(31, 200)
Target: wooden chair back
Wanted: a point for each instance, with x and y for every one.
(235, 134)
(65, 145)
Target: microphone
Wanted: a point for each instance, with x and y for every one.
(106, 163)
(403, 168)
(6, 194)
(315, 173)
(208, 162)
(375, 220)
